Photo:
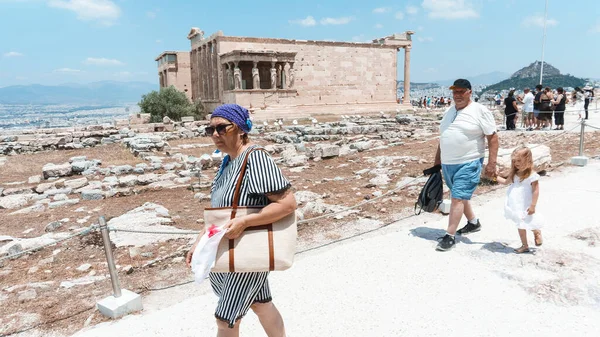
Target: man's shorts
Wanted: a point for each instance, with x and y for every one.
(536, 113)
(462, 179)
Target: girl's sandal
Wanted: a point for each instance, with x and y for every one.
(523, 249)
(538, 238)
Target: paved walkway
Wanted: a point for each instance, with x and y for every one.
(393, 283)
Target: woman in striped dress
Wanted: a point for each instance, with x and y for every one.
(263, 185)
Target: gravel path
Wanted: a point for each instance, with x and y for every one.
(393, 283)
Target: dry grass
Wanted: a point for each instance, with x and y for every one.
(23, 166)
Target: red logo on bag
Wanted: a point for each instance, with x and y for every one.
(212, 230)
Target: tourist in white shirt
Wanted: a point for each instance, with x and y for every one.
(464, 129)
(528, 109)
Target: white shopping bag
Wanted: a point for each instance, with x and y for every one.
(206, 252)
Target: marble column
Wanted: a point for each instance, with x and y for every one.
(215, 72)
(209, 70)
(406, 100)
(291, 76)
(205, 71)
(201, 72)
(255, 76)
(273, 76)
(199, 83)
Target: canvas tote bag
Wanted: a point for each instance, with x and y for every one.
(260, 248)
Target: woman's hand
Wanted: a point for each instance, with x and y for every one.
(235, 227)
(531, 210)
(190, 253)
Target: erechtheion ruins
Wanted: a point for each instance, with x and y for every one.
(275, 77)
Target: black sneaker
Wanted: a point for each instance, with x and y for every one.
(447, 242)
(469, 228)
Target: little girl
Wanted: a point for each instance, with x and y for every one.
(522, 197)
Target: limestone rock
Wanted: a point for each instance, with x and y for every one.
(76, 183)
(61, 203)
(37, 208)
(149, 216)
(53, 226)
(84, 267)
(92, 195)
(34, 179)
(17, 190)
(27, 295)
(302, 197)
(54, 170)
(15, 201)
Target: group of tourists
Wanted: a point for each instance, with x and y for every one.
(258, 182)
(433, 102)
(464, 130)
(540, 106)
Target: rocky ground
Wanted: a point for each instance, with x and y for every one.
(157, 182)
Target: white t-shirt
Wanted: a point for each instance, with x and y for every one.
(528, 102)
(463, 133)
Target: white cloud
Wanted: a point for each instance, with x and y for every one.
(101, 61)
(449, 9)
(104, 11)
(67, 70)
(380, 10)
(595, 28)
(12, 54)
(425, 39)
(537, 20)
(336, 21)
(151, 14)
(309, 21)
(378, 26)
(412, 10)
(399, 15)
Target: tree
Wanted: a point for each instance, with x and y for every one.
(171, 103)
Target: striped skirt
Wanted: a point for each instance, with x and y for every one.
(237, 292)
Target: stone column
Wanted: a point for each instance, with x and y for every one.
(255, 76)
(237, 77)
(215, 72)
(406, 100)
(209, 69)
(273, 76)
(229, 79)
(284, 76)
(291, 76)
(200, 74)
(203, 71)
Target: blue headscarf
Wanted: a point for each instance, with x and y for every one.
(236, 114)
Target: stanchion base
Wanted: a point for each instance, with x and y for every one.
(579, 160)
(115, 307)
(445, 207)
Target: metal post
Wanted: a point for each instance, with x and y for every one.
(114, 277)
(581, 137)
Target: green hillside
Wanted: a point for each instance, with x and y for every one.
(550, 81)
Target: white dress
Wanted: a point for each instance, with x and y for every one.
(518, 199)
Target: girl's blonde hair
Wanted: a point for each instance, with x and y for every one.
(525, 153)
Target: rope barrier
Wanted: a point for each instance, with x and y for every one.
(591, 126)
(115, 229)
(81, 233)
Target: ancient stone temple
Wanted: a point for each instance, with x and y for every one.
(174, 69)
(279, 77)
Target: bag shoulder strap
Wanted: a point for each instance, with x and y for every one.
(238, 185)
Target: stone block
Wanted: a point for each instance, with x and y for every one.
(61, 203)
(579, 160)
(92, 195)
(115, 307)
(60, 170)
(445, 206)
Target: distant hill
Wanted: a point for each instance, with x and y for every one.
(105, 92)
(418, 86)
(530, 76)
(483, 79)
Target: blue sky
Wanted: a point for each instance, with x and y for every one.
(63, 41)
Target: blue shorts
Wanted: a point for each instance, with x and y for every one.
(462, 179)
(536, 113)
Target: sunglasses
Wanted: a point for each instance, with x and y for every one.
(221, 129)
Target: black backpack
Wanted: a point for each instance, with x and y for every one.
(431, 195)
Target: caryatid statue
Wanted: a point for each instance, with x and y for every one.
(273, 78)
(255, 77)
(237, 78)
(230, 84)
